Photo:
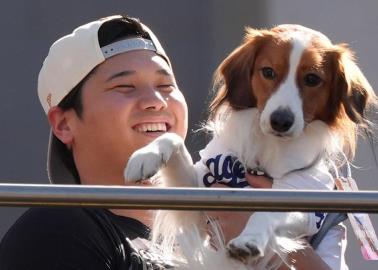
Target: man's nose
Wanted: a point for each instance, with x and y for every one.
(152, 99)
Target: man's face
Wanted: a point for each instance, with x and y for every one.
(128, 101)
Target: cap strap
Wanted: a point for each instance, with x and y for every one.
(126, 45)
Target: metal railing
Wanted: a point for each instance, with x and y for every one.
(187, 198)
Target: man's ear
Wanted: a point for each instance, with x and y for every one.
(61, 125)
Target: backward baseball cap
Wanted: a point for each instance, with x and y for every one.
(70, 59)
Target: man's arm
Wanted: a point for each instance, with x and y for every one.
(306, 259)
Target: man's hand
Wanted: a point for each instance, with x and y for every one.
(258, 181)
(306, 259)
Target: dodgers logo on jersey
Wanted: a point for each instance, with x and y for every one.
(225, 169)
(320, 218)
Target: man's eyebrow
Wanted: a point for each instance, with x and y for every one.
(121, 74)
(164, 72)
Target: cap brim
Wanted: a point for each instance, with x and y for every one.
(57, 170)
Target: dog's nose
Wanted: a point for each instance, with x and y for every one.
(281, 120)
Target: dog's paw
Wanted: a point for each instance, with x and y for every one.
(147, 161)
(143, 164)
(245, 249)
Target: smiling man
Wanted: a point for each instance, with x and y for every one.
(131, 97)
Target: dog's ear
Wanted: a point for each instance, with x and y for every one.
(350, 99)
(232, 79)
(355, 92)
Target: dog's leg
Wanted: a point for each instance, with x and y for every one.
(168, 155)
(261, 228)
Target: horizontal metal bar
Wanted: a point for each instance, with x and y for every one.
(187, 198)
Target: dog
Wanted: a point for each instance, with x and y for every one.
(289, 103)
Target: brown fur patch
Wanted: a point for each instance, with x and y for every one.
(274, 54)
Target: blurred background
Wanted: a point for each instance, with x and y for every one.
(196, 34)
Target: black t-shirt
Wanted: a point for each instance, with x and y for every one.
(77, 239)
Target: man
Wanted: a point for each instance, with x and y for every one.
(107, 89)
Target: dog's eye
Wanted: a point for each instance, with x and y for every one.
(312, 80)
(268, 73)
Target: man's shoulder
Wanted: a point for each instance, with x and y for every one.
(38, 222)
(53, 216)
(53, 211)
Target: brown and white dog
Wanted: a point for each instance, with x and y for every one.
(296, 101)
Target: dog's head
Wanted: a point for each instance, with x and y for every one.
(294, 75)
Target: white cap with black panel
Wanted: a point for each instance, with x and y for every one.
(70, 59)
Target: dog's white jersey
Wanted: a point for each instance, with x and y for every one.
(220, 165)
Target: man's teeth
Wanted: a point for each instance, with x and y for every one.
(152, 127)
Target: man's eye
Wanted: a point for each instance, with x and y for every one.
(124, 87)
(166, 87)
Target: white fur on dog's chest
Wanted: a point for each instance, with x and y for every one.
(242, 136)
